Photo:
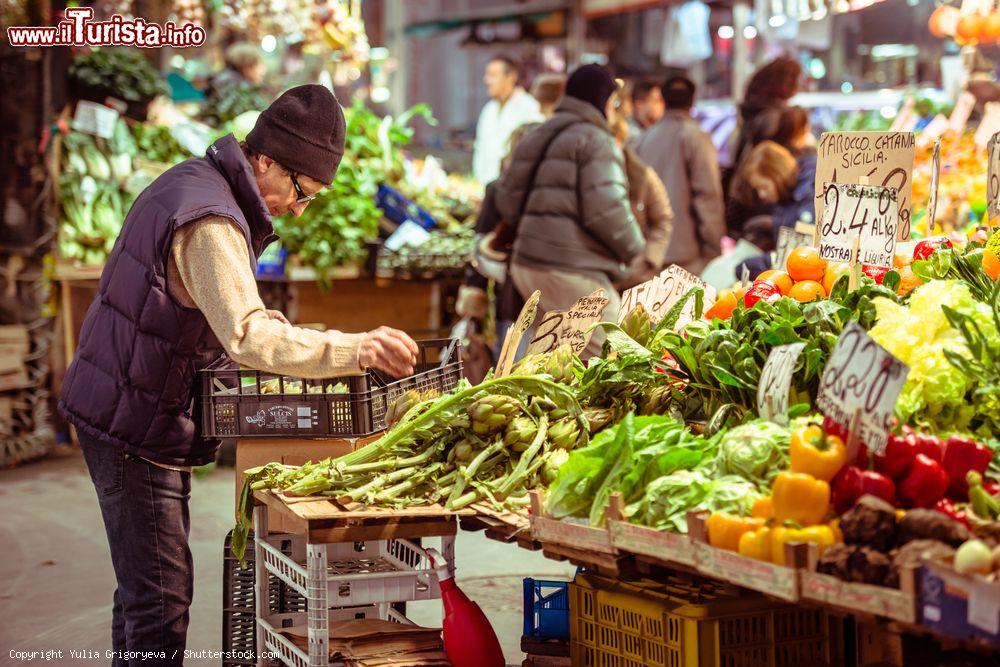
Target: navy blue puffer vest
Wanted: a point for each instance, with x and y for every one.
(132, 381)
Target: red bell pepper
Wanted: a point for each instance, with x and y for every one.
(930, 446)
(765, 290)
(992, 487)
(899, 453)
(946, 507)
(962, 454)
(927, 247)
(852, 482)
(925, 483)
(876, 273)
(833, 428)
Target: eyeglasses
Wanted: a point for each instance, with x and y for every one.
(300, 196)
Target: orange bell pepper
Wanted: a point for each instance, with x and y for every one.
(821, 535)
(763, 508)
(756, 544)
(725, 530)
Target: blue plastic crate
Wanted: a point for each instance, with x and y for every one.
(272, 262)
(399, 208)
(546, 609)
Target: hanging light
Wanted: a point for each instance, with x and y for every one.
(269, 43)
(726, 32)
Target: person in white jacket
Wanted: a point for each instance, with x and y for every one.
(510, 107)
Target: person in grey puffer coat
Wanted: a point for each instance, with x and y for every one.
(576, 233)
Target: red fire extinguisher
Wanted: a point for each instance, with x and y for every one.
(469, 639)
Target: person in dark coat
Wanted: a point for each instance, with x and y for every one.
(566, 196)
(178, 295)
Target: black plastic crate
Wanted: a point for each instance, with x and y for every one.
(239, 617)
(236, 403)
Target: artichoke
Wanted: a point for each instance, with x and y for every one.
(553, 462)
(491, 413)
(520, 433)
(463, 451)
(657, 402)
(638, 325)
(399, 406)
(564, 434)
(598, 418)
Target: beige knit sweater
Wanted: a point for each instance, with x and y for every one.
(209, 270)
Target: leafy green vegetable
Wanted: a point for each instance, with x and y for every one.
(668, 499)
(122, 73)
(756, 451)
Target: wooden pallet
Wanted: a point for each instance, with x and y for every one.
(324, 520)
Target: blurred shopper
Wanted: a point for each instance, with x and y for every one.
(647, 107)
(683, 156)
(566, 197)
(510, 106)
(244, 64)
(178, 295)
(494, 235)
(767, 94)
(650, 206)
(794, 134)
(772, 176)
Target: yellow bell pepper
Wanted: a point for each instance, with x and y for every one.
(725, 530)
(820, 535)
(756, 544)
(816, 453)
(800, 498)
(763, 508)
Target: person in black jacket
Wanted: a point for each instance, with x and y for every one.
(566, 197)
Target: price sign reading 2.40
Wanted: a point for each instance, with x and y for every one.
(658, 295)
(862, 378)
(867, 212)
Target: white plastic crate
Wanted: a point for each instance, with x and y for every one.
(357, 573)
(289, 654)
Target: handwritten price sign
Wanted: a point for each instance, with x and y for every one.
(884, 158)
(866, 211)
(862, 378)
(569, 326)
(776, 381)
(659, 295)
(513, 339)
(993, 175)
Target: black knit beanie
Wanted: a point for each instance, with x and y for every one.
(593, 84)
(303, 131)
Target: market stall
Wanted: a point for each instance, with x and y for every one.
(813, 452)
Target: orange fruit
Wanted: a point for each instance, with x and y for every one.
(991, 264)
(968, 29)
(908, 281)
(804, 264)
(805, 291)
(833, 271)
(779, 278)
(899, 261)
(723, 307)
(990, 32)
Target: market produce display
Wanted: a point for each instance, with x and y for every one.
(443, 253)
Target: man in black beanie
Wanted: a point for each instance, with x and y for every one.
(566, 196)
(178, 294)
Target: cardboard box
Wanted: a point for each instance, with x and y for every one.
(254, 452)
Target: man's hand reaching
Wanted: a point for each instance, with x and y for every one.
(277, 315)
(388, 350)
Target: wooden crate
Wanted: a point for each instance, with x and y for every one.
(323, 520)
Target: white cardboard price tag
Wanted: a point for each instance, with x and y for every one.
(789, 238)
(659, 295)
(984, 608)
(884, 158)
(517, 330)
(935, 176)
(993, 177)
(96, 119)
(569, 326)
(866, 211)
(776, 381)
(862, 378)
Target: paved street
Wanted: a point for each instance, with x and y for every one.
(56, 579)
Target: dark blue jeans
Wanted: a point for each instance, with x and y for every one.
(146, 517)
